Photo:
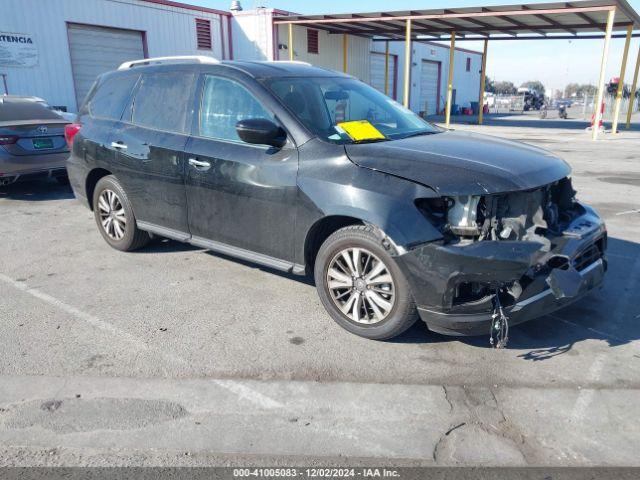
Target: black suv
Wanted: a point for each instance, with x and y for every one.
(308, 170)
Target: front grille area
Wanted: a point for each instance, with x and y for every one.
(589, 255)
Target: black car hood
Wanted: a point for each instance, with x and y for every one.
(462, 163)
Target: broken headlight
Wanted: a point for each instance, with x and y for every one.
(456, 215)
(463, 214)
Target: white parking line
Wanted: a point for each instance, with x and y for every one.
(78, 314)
(242, 391)
(598, 332)
(247, 393)
(627, 212)
(585, 397)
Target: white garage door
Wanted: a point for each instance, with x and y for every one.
(377, 72)
(95, 50)
(429, 77)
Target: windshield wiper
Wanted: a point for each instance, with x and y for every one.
(417, 134)
(371, 140)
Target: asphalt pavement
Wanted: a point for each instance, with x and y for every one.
(177, 356)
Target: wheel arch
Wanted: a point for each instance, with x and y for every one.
(320, 231)
(92, 180)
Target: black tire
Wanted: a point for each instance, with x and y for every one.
(133, 237)
(400, 317)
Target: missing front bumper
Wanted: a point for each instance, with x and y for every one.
(541, 280)
(532, 307)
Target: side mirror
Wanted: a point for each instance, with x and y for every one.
(261, 131)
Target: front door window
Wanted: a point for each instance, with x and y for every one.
(225, 103)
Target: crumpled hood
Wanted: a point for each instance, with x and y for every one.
(462, 163)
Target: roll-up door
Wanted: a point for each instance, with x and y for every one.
(96, 50)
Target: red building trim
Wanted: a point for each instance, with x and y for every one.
(457, 49)
(222, 54)
(276, 40)
(170, 3)
(230, 35)
(145, 46)
(395, 77)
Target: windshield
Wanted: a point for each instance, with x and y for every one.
(345, 110)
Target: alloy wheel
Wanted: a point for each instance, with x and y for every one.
(361, 285)
(112, 216)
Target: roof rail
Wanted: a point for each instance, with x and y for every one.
(165, 60)
(295, 62)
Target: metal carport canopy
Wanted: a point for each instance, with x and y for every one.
(530, 21)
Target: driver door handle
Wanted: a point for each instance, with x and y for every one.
(118, 145)
(199, 165)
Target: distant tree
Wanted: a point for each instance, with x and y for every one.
(505, 88)
(579, 90)
(534, 85)
(488, 85)
(572, 89)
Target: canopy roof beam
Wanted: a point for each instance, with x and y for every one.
(484, 24)
(588, 19)
(550, 21)
(518, 23)
(452, 15)
(478, 30)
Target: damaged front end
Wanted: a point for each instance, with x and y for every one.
(536, 250)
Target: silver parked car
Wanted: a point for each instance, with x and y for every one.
(32, 141)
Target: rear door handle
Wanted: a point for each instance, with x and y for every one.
(119, 145)
(199, 165)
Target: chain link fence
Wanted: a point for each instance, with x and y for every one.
(581, 107)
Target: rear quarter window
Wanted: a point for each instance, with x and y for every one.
(163, 101)
(111, 96)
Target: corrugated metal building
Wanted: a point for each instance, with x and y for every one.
(54, 49)
(429, 73)
(254, 39)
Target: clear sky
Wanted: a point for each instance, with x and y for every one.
(555, 63)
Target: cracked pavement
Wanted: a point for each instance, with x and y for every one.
(176, 356)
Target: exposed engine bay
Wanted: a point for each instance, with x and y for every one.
(532, 215)
(500, 252)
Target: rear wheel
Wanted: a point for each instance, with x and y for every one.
(114, 216)
(361, 285)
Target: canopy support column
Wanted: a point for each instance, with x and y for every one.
(345, 49)
(386, 67)
(407, 64)
(597, 116)
(623, 68)
(634, 86)
(290, 46)
(452, 49)
(483, 79)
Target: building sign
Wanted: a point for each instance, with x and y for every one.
(18, 50)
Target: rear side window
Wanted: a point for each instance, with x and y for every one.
(225, 103)
(163, 101)
(111, 96)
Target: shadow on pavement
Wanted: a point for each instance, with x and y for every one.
(36, 191)
(610, 314)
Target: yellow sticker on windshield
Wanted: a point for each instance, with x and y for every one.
(360, 130)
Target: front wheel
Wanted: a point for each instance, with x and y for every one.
(361, 285)
(114, 216)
